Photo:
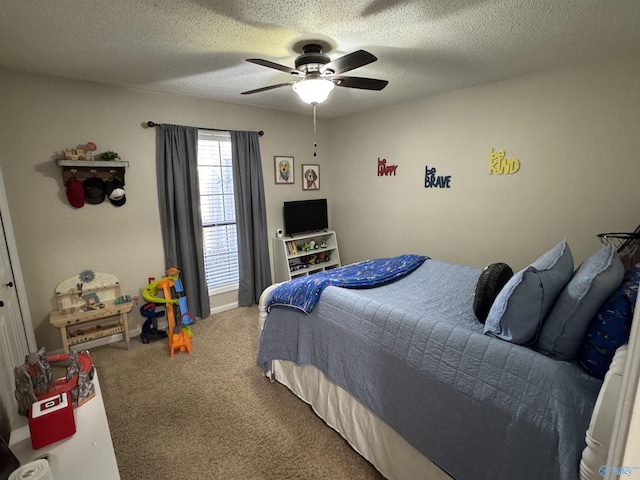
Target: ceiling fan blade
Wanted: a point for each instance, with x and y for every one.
(360, 82)
(348, 62)
(264, 89)
(277, 66)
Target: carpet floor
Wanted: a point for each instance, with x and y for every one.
(212, 414)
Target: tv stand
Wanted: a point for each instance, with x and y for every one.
(291, 260)
(311, 232)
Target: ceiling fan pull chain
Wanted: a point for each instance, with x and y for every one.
(315, 138)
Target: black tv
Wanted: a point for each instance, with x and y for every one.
(305, 216)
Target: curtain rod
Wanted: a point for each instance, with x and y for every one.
(153, 124)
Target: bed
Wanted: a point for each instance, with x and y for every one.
(407, 374)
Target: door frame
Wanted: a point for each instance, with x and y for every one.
(16, 269)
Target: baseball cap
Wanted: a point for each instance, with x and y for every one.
(75, 193)
(115, 192)
(94, 190)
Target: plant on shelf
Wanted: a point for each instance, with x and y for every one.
(109, 155)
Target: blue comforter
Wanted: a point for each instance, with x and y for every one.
(304, 292)
(413, 352)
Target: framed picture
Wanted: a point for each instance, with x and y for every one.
(310, 177)
(283, 168)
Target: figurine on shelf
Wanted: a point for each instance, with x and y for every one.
(92, 148)
(74, 154)
(310, 245)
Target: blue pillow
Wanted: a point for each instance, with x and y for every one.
(563, 331)
(611, 326)
(527, 298)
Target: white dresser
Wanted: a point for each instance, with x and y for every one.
(87, 454)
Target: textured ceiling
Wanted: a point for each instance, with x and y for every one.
(199, 47)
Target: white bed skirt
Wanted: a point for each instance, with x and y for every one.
(364, 431)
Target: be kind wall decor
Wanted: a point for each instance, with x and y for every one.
(501, 165)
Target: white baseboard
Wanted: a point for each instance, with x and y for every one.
(224, 308)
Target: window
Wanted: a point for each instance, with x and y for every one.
(217, 210)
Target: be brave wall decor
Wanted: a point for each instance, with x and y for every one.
(432, 180)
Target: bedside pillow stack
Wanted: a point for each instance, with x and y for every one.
(522, 305)
(561, 313)
(563, 332)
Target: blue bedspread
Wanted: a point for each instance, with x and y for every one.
(413, 352)
(304, 292)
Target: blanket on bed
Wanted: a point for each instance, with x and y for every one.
(413, 352)
(304, 292)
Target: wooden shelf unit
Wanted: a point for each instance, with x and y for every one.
(287, 262)
(83, 169)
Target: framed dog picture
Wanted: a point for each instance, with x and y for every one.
(310, 177)
(283, 167)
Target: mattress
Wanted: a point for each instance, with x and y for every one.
(413, 353)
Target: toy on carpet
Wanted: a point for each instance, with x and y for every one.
(150, 330)
(34, 379)
(179, 332)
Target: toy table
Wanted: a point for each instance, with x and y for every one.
(87, 309)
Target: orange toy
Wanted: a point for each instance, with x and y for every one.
(177, 341)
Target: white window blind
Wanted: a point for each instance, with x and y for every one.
(217, 210)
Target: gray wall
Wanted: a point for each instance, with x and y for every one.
(574, 131)
(43, 115)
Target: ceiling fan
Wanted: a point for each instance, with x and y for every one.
(318, 74)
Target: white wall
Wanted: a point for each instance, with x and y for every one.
(43, 115)
(575, 131)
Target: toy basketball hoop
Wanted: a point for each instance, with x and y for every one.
(626, 244)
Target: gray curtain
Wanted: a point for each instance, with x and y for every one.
(178, 191)
(251, 218)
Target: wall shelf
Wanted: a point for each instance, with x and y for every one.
(83, 169)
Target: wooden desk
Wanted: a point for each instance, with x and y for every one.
(79, 316)
(87, 454)
(78, 327)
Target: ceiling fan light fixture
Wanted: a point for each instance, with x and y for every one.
(313, 90)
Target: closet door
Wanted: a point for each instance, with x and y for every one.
(16, 331)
